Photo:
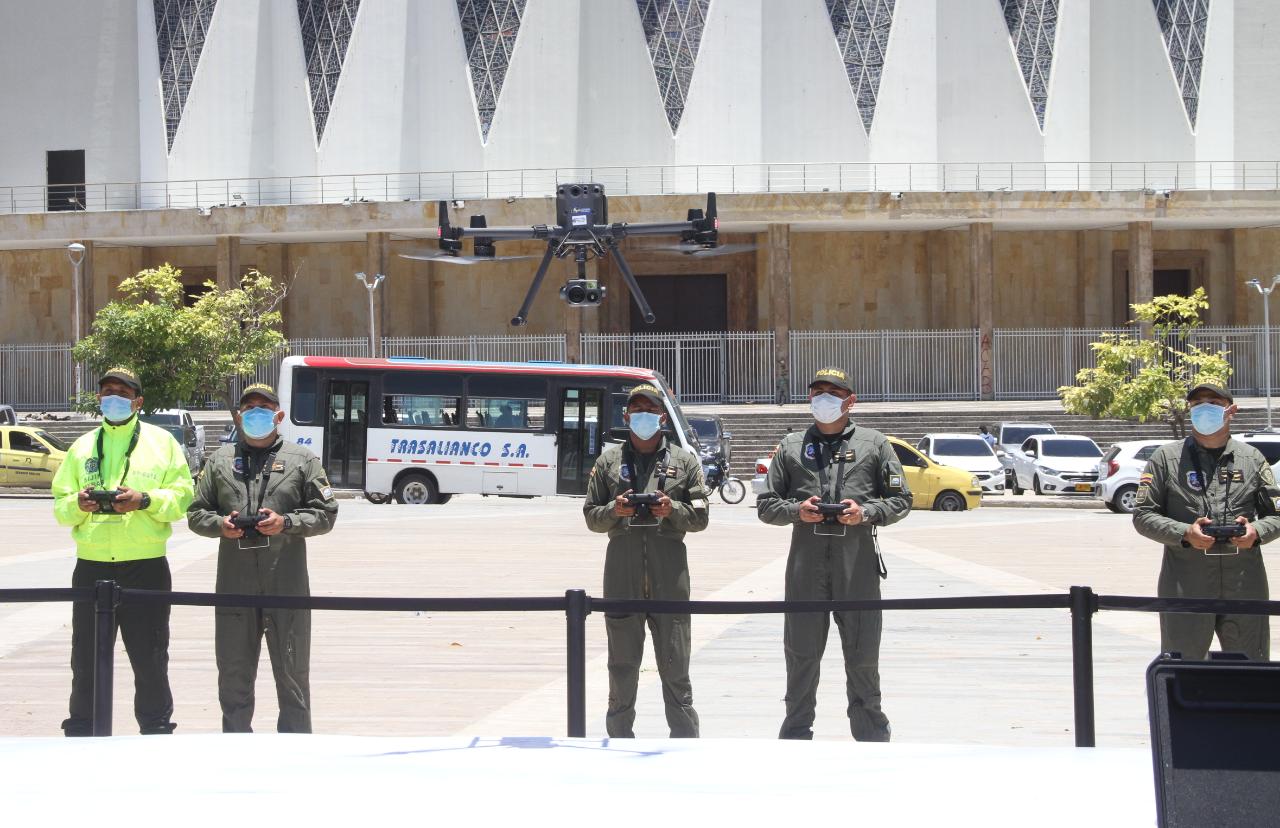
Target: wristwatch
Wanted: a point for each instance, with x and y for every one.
(288, 523)
(146, 502)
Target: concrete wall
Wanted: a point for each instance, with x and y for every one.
(769, 86)
(841, 280)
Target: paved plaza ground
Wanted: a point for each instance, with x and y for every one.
(974, 677)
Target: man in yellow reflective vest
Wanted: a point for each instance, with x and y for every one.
(119, 489)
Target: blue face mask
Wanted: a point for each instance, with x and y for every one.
(1207, 418)
(644, 424)
(116, 409)
(258, 422)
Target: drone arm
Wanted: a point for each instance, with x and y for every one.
(632, 284)
(498, 233)
(523, 316)
(659, 229)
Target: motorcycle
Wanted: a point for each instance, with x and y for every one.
(716, 472)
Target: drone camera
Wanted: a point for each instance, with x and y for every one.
(581, 205)
(582, 292)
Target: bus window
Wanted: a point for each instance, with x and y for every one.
(510, 402)
(303, 406)
(420, 400)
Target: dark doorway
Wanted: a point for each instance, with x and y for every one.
(1165, 282)
(683, 304)
(64, 171)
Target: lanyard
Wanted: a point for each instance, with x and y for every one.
(266, 476)
(821, 458)
(630, 466)
(1204, 482)
(128, 453)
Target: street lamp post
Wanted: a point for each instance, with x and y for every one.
(75, 252)
(373, 340)
(1266, 335)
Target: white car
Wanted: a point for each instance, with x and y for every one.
(758, 483)
(1119, 470)
(1011, 436)
(969, 452)
(1056, 464)
(178, 422)
(1267, 442)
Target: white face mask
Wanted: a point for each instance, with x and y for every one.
(826, 408)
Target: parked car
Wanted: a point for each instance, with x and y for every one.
(1056, 464)
(178, 422)
(711, 435)
(1119, 470)
(1010, 437)
(969, 452)
(8, 416)
(1267, 442)
(932, 485)
(29, 456)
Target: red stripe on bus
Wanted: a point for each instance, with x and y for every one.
(444, 462)
(541, 466)
(466, 462)
(417, 461)
(394, 460)
(516, 465)
(493, 464)
(374, 460)
(350, 362)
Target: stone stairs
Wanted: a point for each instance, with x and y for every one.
(756, 433)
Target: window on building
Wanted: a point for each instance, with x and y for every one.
(64, 171)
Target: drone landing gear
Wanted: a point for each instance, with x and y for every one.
(522, 317)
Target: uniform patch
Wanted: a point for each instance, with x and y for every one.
(625, 473)
(1143, 495)
(895, 481)
(1237, 476)
(238, 465)
(1146, 479)
(277, 466)
(1224, 476)
(91, 465)
(1268, 477)
(1194, 481)
(810, 452)
(327, 492)
(1275, 502)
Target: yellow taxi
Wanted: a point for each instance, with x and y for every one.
(933, 486)
(29, 456)
(944, 488)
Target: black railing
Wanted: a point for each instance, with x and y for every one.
(1082, 602)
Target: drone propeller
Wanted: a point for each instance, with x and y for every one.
(703, 251)
(448, 258)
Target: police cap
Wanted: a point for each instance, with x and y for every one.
(260, 389)
(646, 390)
(1212, 387)
(123, 375)
(836, 376)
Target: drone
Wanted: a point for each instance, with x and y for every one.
(582, 230)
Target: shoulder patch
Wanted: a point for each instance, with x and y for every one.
(1267, 476)
(1146, 478)
(810, 452)
(895, 481)
(1143, 495)
(327, 493)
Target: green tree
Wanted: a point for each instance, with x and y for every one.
(1146, 377)
(182, 353)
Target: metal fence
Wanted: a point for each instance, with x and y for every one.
(649, 180)
(891, 365)
(726, 366)
(733, 366)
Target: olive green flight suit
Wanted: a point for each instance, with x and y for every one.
(1170, 498)
(297, 487)
(829, 568)
(648, 563)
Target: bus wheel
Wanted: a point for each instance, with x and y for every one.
(417, 489)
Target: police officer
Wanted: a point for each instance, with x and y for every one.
(834, 461)
(284, 485)
(1207, 480)
(646, 558)
(125, 543)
